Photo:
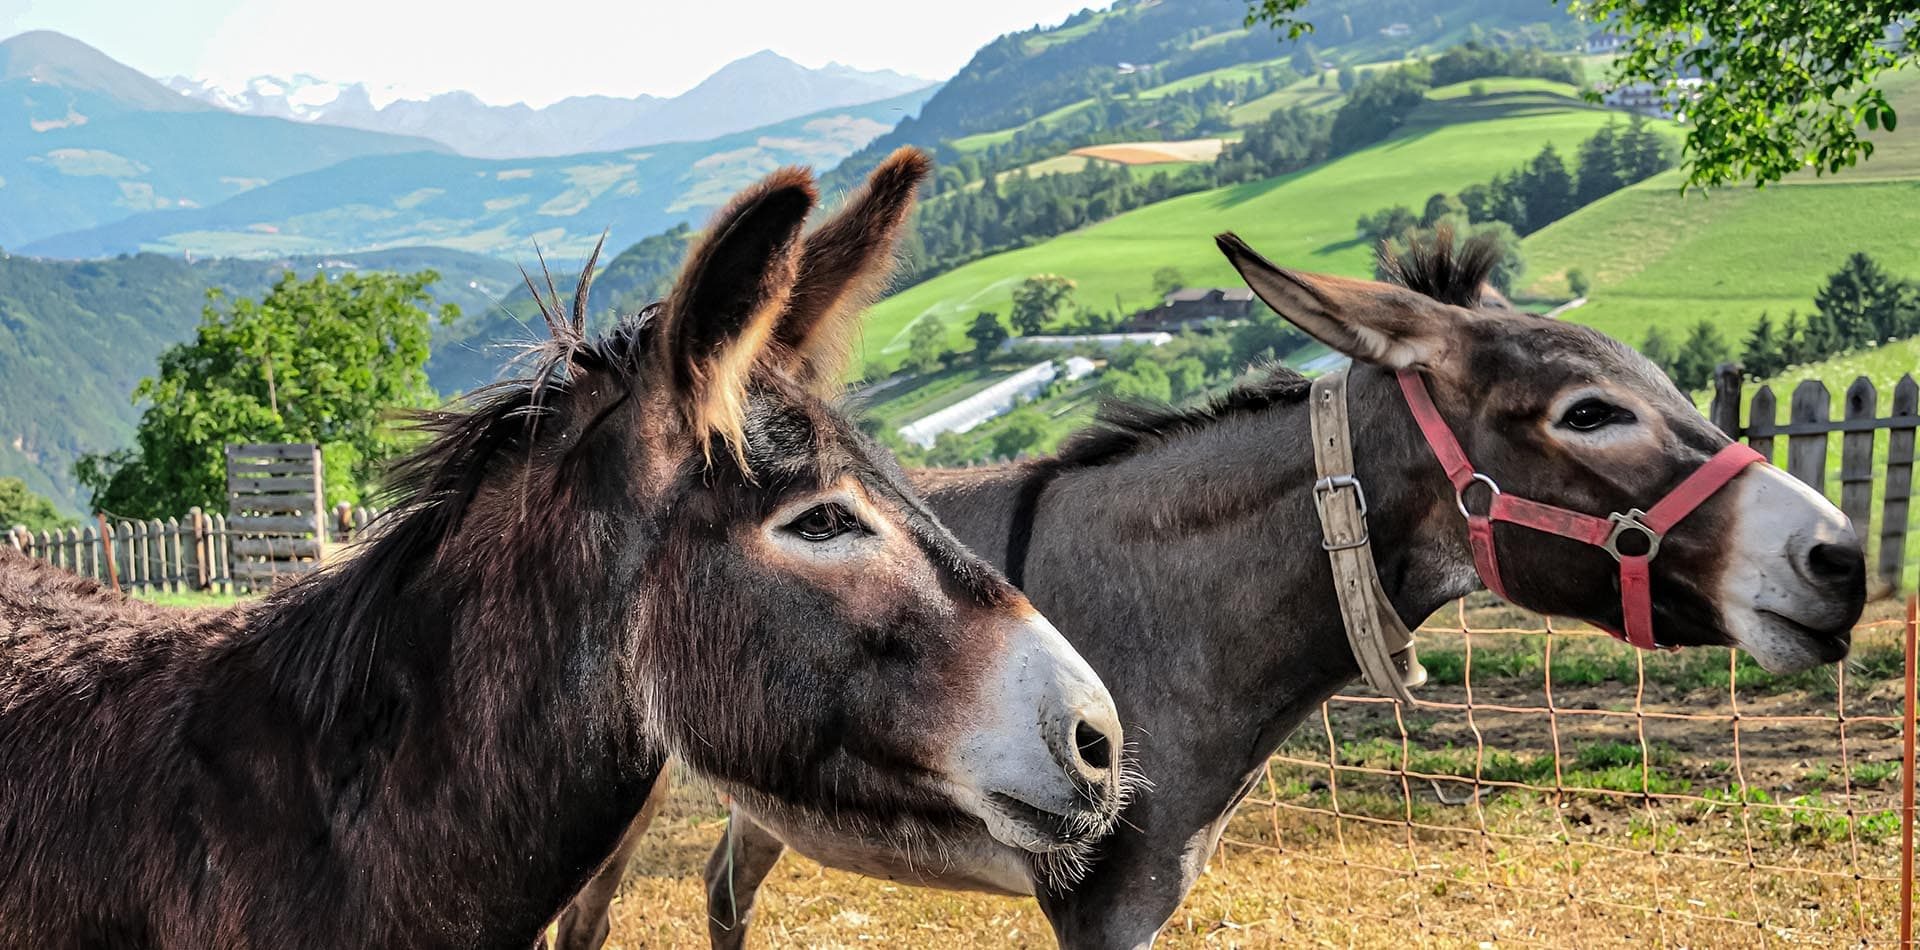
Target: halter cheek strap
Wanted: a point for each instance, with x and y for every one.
(1636, 587)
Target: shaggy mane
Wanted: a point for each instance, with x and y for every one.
(1438, 268)
(1122, 427)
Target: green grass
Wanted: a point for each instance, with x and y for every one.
(1593, 661)
(1302, 220)
(1500, 85)
(189, 598)
(1658, 258)
(1306, 93)
(985, 140)
(1239, 72)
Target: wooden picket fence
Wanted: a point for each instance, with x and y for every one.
(1808, 433)
(195, 553)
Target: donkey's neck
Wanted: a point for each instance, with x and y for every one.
(465, 710)
(1189, 571)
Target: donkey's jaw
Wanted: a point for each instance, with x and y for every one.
(1795, 581)
(1041, 764)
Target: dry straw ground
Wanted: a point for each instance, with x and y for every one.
(1654, 806)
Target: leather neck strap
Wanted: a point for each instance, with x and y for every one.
(1636, 593)
(1382, 645)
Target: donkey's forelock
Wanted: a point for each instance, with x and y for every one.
(1443, 270)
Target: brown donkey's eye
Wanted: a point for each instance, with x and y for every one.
(1590, 414)
(823, 523)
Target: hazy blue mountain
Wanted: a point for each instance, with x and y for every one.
(490, 206)
(758, 90)
(85, 140)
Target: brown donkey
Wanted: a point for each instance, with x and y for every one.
(663, 542)
(1181, 552)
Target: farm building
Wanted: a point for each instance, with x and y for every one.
(1194, 306)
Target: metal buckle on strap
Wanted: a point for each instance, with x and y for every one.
(1633, 520)
(1460, 494)
(1327, 486)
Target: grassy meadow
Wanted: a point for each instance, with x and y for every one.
(1302, 220)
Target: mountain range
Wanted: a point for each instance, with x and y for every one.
(754, 91)
(97, 159)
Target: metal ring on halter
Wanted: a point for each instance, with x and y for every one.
(1460, 494)
(1632, 520)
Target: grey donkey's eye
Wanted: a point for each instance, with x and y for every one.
(823, 523)
(1590, 414)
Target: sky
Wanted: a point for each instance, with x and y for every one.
(511, 50)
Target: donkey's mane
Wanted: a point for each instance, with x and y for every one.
(326, 637)
(1437, 268)
(1122, 427)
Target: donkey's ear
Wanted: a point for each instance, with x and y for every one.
(845, 265)
(1372, 322)
(722, 310)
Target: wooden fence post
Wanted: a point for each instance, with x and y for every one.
(1724, 411)
(202, 578)
(1894, 512)
(1807, 451)
(1762, 417)
(1856, 458)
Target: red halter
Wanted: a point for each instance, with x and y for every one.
(1636, 600)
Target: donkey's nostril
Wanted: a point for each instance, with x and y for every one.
(1836, 562)
(1092, 746)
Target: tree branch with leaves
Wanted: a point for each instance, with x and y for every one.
(1784, 86)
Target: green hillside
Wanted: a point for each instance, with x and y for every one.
(490, 206)
(1658, 257)
(1152, 48)
(1302, 220)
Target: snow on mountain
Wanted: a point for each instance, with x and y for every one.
(756, 90)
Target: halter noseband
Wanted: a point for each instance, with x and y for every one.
(1636, 594)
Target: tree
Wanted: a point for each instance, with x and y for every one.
(1166, 280)
(1861, 304)
(1387, 223)
(1703, 352)
(1762, 356)
(1378, 105)
(1022, 431)
(1186, 377)
(1577, 282)
(926, 343)
(1348, 77)
(19, 505)
(1783, 87)
(1547, 189)
(987, 333)
(1642, 152)
(1795, 348)
(321, 360)
(1305, 59)
(1144, 382)
(1597, 167)
(1038, 300)
(1658, 350)
(1440, 207)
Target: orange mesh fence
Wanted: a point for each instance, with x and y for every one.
(1555, 787)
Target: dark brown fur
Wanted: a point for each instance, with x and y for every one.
(435, 741)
